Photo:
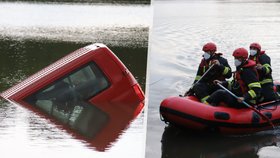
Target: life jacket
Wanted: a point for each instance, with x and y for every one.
(237, 75)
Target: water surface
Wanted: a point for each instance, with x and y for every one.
(34, 35)
(180, 28)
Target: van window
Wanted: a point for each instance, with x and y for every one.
(66, 98)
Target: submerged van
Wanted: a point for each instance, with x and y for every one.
(89, 91)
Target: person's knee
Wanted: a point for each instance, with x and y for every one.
(220, 92)
(199, 86)
(216, 97)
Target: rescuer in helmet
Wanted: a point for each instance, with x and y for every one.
(264, 71)
(245, 83)
(220, 70)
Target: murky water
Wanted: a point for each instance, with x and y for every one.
(180, 28)
(32, 36)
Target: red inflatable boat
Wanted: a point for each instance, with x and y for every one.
(192, 114)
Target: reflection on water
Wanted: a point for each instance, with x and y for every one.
(36, 136)
(34, 35)
(179, 143)
(180, 28)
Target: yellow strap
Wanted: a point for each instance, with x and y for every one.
(254, 84)
(206, 103)
(229, 85)
(267, 70)
(255, 58)
(253, 101)
(266, 65)
(197, 78)
(266, 81)
(203, 100)
(225, 70)
(204, 69)
(252, 93)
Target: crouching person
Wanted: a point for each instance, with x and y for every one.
(220, 69)
(245, 83)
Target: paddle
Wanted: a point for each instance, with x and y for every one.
(191, 89)
(247, 105)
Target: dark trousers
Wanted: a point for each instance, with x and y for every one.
(267, 92)
(223, 96)
(203, 89)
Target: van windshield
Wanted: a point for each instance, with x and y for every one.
(67, 99)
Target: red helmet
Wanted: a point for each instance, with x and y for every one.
(240, 52)
(255, 45)
(209, 47)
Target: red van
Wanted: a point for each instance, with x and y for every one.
(89, 91)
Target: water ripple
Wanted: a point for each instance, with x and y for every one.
(180, 28)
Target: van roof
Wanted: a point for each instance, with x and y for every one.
(49, 69)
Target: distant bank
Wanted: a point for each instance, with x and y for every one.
(86, 1)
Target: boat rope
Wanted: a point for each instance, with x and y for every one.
(262, 106)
